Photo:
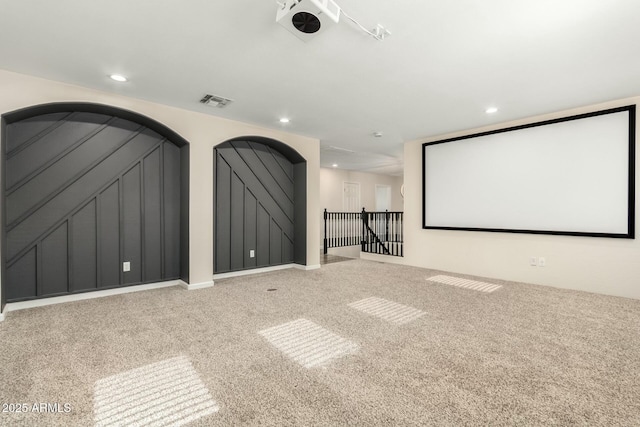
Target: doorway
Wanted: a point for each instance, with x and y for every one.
(351, 197)
(383, 198)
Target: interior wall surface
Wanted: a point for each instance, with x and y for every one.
(203, 132)
(331, 188)
(86, 190)
(601, 265)
(259, 198)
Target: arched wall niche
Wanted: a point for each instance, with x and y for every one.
(86, 189)
(260, 204)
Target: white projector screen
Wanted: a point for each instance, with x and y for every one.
(570, 176)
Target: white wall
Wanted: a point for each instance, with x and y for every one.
(608, 266)
(202, 131)
(331, 189)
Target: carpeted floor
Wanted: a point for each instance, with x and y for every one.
(520, 355)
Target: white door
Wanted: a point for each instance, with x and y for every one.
(383, 198)
(351, 197)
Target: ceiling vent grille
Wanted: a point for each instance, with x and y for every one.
(215, 101)
(336, 149)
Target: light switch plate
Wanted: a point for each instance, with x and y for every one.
(126, 266)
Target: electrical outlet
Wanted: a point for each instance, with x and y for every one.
(542, 262)
(533, 261)
(252, 253)
(126, 266)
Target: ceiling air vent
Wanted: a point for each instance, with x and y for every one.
(336, 149)
(215, 101)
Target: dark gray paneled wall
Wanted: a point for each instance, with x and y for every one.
(255, 207)
(85, 192)
(300, 195)
(183, 220)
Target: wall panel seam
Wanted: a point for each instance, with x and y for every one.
(162, 213)
(67, 184)
(264, 185)
(120, 227)
(272, 176)
(39, 135)
(74, 210)
(70, 253)
(143, 223)
(98, 218)
(59, 156)
(271, 150)
(239, 161)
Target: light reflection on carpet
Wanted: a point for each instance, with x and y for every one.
(307, 343)
(166, 393)
(474, 285)
(387, 310)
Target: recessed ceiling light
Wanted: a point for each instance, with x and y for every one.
(335, 165)
(491, 110)
(284, 120)
(118, 78)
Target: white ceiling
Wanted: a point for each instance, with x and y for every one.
(444, 64)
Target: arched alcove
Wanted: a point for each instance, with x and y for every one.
(260, 205)
(88, 188)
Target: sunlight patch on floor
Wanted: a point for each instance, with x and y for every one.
(165, 393)
(465, 283)
(387, 310)
(307, 343)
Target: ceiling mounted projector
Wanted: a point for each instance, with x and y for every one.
(308, 18)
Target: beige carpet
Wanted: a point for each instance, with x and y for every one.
(521, 355)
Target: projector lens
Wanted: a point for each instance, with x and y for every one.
(306, 22)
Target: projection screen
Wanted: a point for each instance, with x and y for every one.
(569, 176)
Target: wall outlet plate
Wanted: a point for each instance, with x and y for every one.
(252, 253)
(542, 262)
(533, 261)
(126, 266)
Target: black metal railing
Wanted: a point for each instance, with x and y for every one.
(382, 233)
(374, 232)
(341, 229)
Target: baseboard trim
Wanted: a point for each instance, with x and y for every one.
(1, 317)
(389, 259)
(252, 271)
(194, 286)
(263, 270)
(306, 267)
(21, 305)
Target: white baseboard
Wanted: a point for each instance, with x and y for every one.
(389, 259)
(1, 317)
(194, 286)
(21, 305)
(306, 267)
(252, 271)
(263, 270)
